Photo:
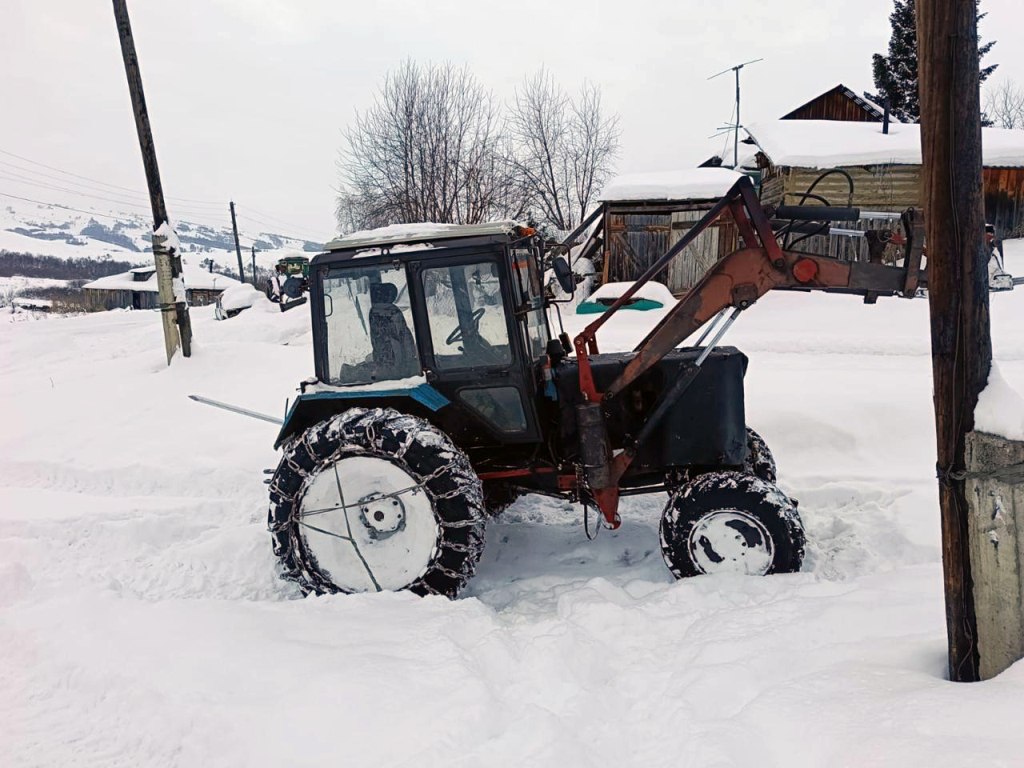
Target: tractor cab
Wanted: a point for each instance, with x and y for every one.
(443, 321)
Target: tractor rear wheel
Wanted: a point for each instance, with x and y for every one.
(731, 522)
(376, 500)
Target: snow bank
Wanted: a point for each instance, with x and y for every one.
(1000, 409)
(833, 143)
(239, 296)
(687, 184)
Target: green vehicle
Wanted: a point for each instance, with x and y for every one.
(289, 284)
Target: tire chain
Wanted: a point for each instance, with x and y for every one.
(342, 428)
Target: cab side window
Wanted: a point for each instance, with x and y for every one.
(466, 315)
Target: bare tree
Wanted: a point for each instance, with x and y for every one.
(1004, 105)
(432, 148)
(562, 148)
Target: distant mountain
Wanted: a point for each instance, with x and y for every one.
(54, 230)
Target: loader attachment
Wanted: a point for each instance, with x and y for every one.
(734, 283)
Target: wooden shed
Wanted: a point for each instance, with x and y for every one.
(885, 168)
(646, 214)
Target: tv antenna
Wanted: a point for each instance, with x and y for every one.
(736, 126)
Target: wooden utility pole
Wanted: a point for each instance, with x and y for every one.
(947, 49)
(170, 282)
(238, 248)
(254, 266)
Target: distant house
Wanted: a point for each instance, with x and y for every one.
(645, 214)
(885, 168)
(137, 288)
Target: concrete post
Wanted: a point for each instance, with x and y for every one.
(995, 495)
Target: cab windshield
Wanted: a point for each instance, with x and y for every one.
(368, 323)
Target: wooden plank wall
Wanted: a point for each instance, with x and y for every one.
(634, 241)
(1004, 200)
(720, 239)
(834, 105)
(876, 187)
(637, 236)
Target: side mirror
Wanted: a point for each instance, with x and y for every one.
(563, 274)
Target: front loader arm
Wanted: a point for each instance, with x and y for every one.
(742, 277)
(737, 281)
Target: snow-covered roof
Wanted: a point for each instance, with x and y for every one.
(195, 278)
(836, 143)
(420, 231)
(686, 184)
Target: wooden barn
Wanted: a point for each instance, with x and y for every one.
(137, 288)
(646, 214)
(884, 168)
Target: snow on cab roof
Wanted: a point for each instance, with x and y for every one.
(195, 278)
(836, 143)
(420, 231)
(686, 184)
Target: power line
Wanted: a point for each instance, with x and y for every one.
(99, 181)
(118, 201)
(195, 214)
(280, 234)
(275, 218)
(64, 207)
(12, 168)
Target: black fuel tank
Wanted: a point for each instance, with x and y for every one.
(706, 427)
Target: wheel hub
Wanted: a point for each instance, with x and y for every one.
(383, 516)
(731, 541)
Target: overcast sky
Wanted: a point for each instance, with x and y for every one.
(248, 97)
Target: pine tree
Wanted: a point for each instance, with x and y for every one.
(896, 74)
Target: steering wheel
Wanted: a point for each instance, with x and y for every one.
(456, 335)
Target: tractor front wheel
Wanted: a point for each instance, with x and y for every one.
(375, 500)
(760, 461)
(731, 522)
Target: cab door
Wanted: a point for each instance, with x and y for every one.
(474, 353)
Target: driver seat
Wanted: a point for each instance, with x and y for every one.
(394, 349)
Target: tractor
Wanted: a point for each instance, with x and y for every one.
(442, 393)
(289, 282)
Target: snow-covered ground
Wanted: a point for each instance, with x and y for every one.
(141, 622)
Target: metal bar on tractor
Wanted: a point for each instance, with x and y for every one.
(236, 409)
(584, 225)
(718, 336)
(711, 326)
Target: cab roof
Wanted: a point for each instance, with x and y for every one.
(425, 232)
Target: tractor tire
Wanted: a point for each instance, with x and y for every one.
(760, 461)
(499, 496)
(376, 500)
(731, 522)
